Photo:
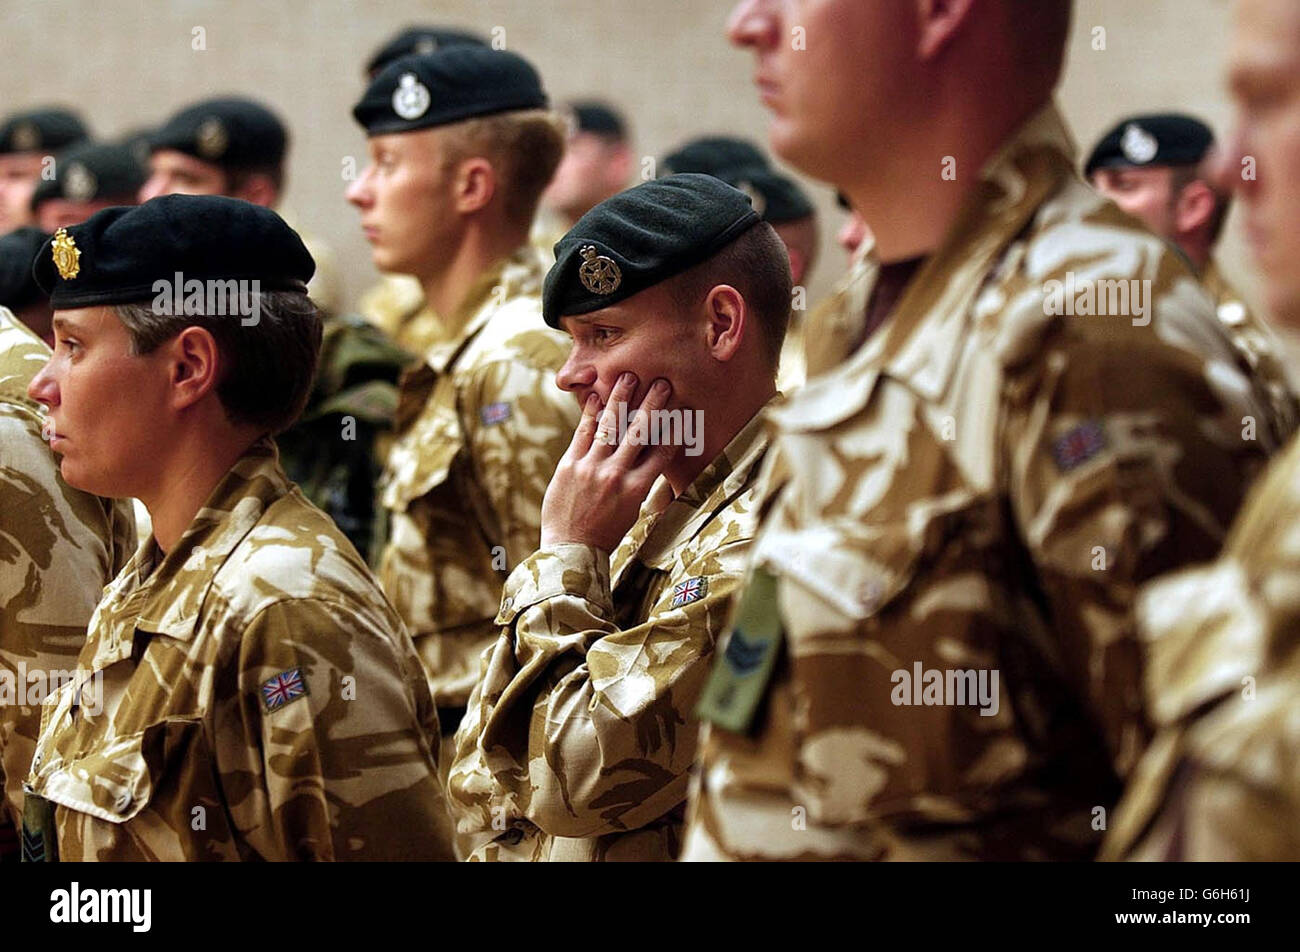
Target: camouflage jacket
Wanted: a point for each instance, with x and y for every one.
(59, 547)
(1258, 347)
(1221, 779)
(396, 306)
(250, 694)
(579, 736)
(934, 655)
(481, 425)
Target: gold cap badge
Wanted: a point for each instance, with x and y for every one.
(67, 256)
(598, 274)
(211, 138)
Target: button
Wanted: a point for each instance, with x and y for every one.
(124, 801)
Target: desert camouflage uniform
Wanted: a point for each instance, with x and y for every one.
(58, 548)
(480, 427)
(1258, 346)
(396, 306)
(979, 487)
(257, 698)
(578, 739)
(1221, 779)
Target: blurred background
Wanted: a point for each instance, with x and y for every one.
(666, 63)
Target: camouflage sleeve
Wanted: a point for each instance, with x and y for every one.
(518, 424)
(579, 727)
(1127, 456)
(326, 752)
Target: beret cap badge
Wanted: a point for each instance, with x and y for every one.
(211, 138)
(598, 274)
(411, 98)
(67, 256)
(26, 137)
(79, 184)
(1138, 145)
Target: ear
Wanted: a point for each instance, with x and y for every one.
(259, 190)
(193, 363)
(1194, 208)
(728, 321)
(622, 162)
(939, 21)
(475, 184)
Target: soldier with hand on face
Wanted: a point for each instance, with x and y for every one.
(580, 734)
(245, 690)
(1154, 168)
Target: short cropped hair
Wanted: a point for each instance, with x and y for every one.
(269, 366)
(237, 177)
(1183, 176)
(524, 148)
(756, 265)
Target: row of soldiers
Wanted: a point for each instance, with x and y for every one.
(631, 600)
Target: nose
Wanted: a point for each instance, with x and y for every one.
(43, 388)
(358, 193)
(576, 374)
(753, 23)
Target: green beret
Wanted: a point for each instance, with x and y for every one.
(598, 118)
(713, 154)
(420, 39)
(641, 237)
(778, 198)
(18, 251)
(93, 171)
(450, 85)
(232, 133)
(41, 130)
(1158, 140)
(116, 255)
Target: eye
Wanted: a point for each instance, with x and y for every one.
(603, 335)
(69, 346)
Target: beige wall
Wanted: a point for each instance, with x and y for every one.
(126, 63)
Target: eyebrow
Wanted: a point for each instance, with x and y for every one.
(65, 325)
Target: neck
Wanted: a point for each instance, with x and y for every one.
(1198, 253)
(192, 470)
(447, 288)
(717, 428)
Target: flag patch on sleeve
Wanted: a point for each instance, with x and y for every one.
(284, 687)
(495, 413)
(692, 590)
(1079, 445)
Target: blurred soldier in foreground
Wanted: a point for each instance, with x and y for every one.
(87, 178)
(934, 655)
(28, 142)
(246, 691)
(1221, 779)
(59, 547)
(461, 146)
(1153, 168)
(237, 147)
(580, 734)
(19, 291)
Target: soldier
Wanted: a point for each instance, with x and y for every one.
(934, 653)
(418, 39)
(461, 146)
(598, 163)
(1152, 166)
(579, 736)
(19, 291)
(1220, 780)
(59, 547)
(88, 177)
(28, 142)
(245, 691)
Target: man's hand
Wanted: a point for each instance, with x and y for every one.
(601, 481)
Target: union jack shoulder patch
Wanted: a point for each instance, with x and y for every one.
(494, 413)
(1079, 445)
(692, 590)
(285, 687)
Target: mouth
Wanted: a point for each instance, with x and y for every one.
(768, 90)
(371, 233)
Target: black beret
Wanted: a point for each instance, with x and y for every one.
(41, 130)
(778, 198)
(420, 39)
(18, 251)
(641, 237)
(116, 255)
(231, 132)
(713, 154)
(1157, 140)
(92, 171)
(598, 118)
(453, 84)
(140, 142)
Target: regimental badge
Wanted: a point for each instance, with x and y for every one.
(495, 413)
(692, 590)
(1079, 445)
(1138, 145)
(285, 687)
(427, 44)
(411, 97)
(79, 183)
(26, 137)
(67, 256)
(598, 274)
(755, 197)
(211, 138)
